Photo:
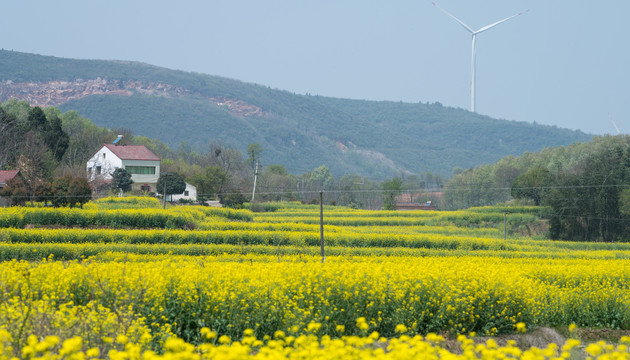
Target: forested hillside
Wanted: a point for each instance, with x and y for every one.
(585, 185)
(301, 132)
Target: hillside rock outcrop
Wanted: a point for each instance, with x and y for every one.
(55, 93)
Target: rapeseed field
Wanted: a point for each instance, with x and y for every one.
(111, 281)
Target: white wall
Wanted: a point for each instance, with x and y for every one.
(192, 194)
(107, 163)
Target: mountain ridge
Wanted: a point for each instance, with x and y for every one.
(373, 138)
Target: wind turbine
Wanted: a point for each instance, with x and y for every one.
(474, 37)
(615, 125)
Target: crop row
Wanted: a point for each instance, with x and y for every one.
(488, 295)
(136, 218)
(365, 218)
(246, 237)
(308, 347)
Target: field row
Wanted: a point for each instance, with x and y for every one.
(310, 347)
(229, 294)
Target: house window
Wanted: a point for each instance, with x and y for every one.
(104, 155)
(141, 170)
(145, 188)
(185, 192)
(98, 170)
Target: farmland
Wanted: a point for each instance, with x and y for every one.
(123, 278)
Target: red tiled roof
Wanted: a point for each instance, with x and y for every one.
(132, 152)
(6, 175)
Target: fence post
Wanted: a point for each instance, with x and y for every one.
(321, 222)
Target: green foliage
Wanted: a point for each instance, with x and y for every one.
(624, 202)
(16, 190)
(60, 191)
(233, 199)
(121, 180)
(43, 192)
(208, 182)
(581, 184)
(170, 183)
(79, 192)
(321, 177)
(254, 153)
(586, 200)
(533, 184)
(392, 189)
(31, 141)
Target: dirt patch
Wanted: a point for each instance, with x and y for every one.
(595, 335)
(543, 336)
(540, 338)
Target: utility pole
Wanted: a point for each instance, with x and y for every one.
(321, 222)
(505, 212)
(164, 192)
(255, 177)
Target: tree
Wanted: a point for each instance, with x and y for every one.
(37, 119)
(9, 128)
(16, 190)
(233, 199)
(276, 183)
(173, 183)
(79, 191)
(533, 184)
(254, 153)
(208, 182)
(55, 137)
(392, 189)
(44, 192)
(60, 191)
(321, 177)
(121, 180)
(624, 202)
(588, 203)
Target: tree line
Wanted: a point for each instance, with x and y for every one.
(586, 187)
(47, 145)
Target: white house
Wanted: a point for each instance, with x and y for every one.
(140, 162)
(189, 194)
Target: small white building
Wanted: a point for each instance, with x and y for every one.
(189, 194)
(140, 162)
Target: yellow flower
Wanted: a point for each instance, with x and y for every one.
(93, 352)
(224, 339)
(400, 328)
(593, 350)
(313, 326)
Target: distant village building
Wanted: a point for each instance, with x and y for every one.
(189, 194)
(5, 177)
(418, 201)
(140, 162)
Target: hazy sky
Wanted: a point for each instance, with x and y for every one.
(564, 63)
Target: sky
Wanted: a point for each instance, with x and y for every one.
(563, 62)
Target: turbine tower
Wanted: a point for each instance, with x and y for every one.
(474, 37)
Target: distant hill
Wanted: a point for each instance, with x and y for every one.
(302, 132)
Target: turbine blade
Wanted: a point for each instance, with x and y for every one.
(615, 125)
(454, 18)
(498, 22)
